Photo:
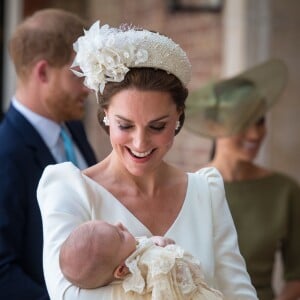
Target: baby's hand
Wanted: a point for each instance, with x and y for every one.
(162, 241)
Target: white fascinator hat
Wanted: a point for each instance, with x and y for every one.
(105, 54)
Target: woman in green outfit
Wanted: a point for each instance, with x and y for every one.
(265, 205)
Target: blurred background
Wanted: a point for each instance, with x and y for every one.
(221, 38)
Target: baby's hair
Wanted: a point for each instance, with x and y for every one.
(89, 240)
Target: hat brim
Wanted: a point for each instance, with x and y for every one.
(229, 106)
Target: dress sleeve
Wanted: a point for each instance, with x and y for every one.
(64, 200)
(230, 269)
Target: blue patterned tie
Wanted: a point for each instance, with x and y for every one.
(68, 145)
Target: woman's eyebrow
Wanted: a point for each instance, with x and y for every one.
(152, 121)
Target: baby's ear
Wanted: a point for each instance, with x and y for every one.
(121, 271)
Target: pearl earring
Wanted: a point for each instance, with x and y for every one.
(106, 121)
(177, 125)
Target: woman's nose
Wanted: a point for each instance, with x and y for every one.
(140, 139)
(255, 132)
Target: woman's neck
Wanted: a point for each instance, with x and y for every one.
(234, 170)
(118, 176)
(238, 170)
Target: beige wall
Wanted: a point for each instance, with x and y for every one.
(284, 143)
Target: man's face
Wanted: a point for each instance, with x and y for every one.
(66, 94)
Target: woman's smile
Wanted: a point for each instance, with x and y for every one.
(140, 155)
(142, 128)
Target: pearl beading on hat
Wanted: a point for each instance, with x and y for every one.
(106, 54)
(163, 54)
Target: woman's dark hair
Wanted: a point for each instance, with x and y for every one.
(212, 150)
(145, 79)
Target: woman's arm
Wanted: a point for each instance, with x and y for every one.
(65, 202)
(230, 269)
(290, 247)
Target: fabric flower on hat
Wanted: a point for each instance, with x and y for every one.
(105, 54)
(102, 57)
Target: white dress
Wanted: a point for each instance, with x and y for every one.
(203, 227)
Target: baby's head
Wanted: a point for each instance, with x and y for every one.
(95, 252)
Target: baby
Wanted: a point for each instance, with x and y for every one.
(150, 268)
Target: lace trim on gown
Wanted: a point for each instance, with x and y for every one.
(166, 273)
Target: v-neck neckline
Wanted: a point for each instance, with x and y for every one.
(127, 211)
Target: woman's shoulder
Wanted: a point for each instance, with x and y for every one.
(210, 174)
(64, 167)
(266, 178)
(209, 181)
(61, 179)
(286, 183)
(283, 177)
(66, 176)
(61, 172)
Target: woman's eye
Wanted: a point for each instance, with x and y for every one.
(124, 126)
(158, 127)
(155, 127)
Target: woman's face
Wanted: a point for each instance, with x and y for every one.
(245, 146)
(142, 128)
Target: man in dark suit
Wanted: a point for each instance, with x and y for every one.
(48, 97)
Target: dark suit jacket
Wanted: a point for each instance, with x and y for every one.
(23, 157)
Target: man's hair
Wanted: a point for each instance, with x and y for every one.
(47, 34)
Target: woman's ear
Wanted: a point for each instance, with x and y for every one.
(121, 271)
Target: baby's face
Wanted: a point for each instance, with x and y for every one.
(123, 241)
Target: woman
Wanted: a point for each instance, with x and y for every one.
(140, 78)
(265, 205)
